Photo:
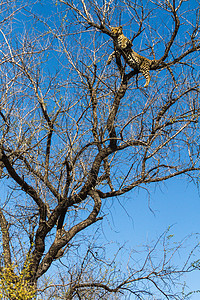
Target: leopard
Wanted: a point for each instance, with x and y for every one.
(122, 45)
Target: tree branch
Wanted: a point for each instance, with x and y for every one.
(5, 240)
(62, 239)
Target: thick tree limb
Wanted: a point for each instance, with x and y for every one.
(63, 238)
(5, 240)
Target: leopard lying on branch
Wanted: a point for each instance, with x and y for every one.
(136, 61)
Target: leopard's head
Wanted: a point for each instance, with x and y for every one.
(116, 31)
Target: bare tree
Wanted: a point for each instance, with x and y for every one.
(75, 132)
(153, 276)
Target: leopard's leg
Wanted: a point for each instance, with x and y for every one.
(146, 74)
(110, 58)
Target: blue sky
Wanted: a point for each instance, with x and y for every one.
(174, 203)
